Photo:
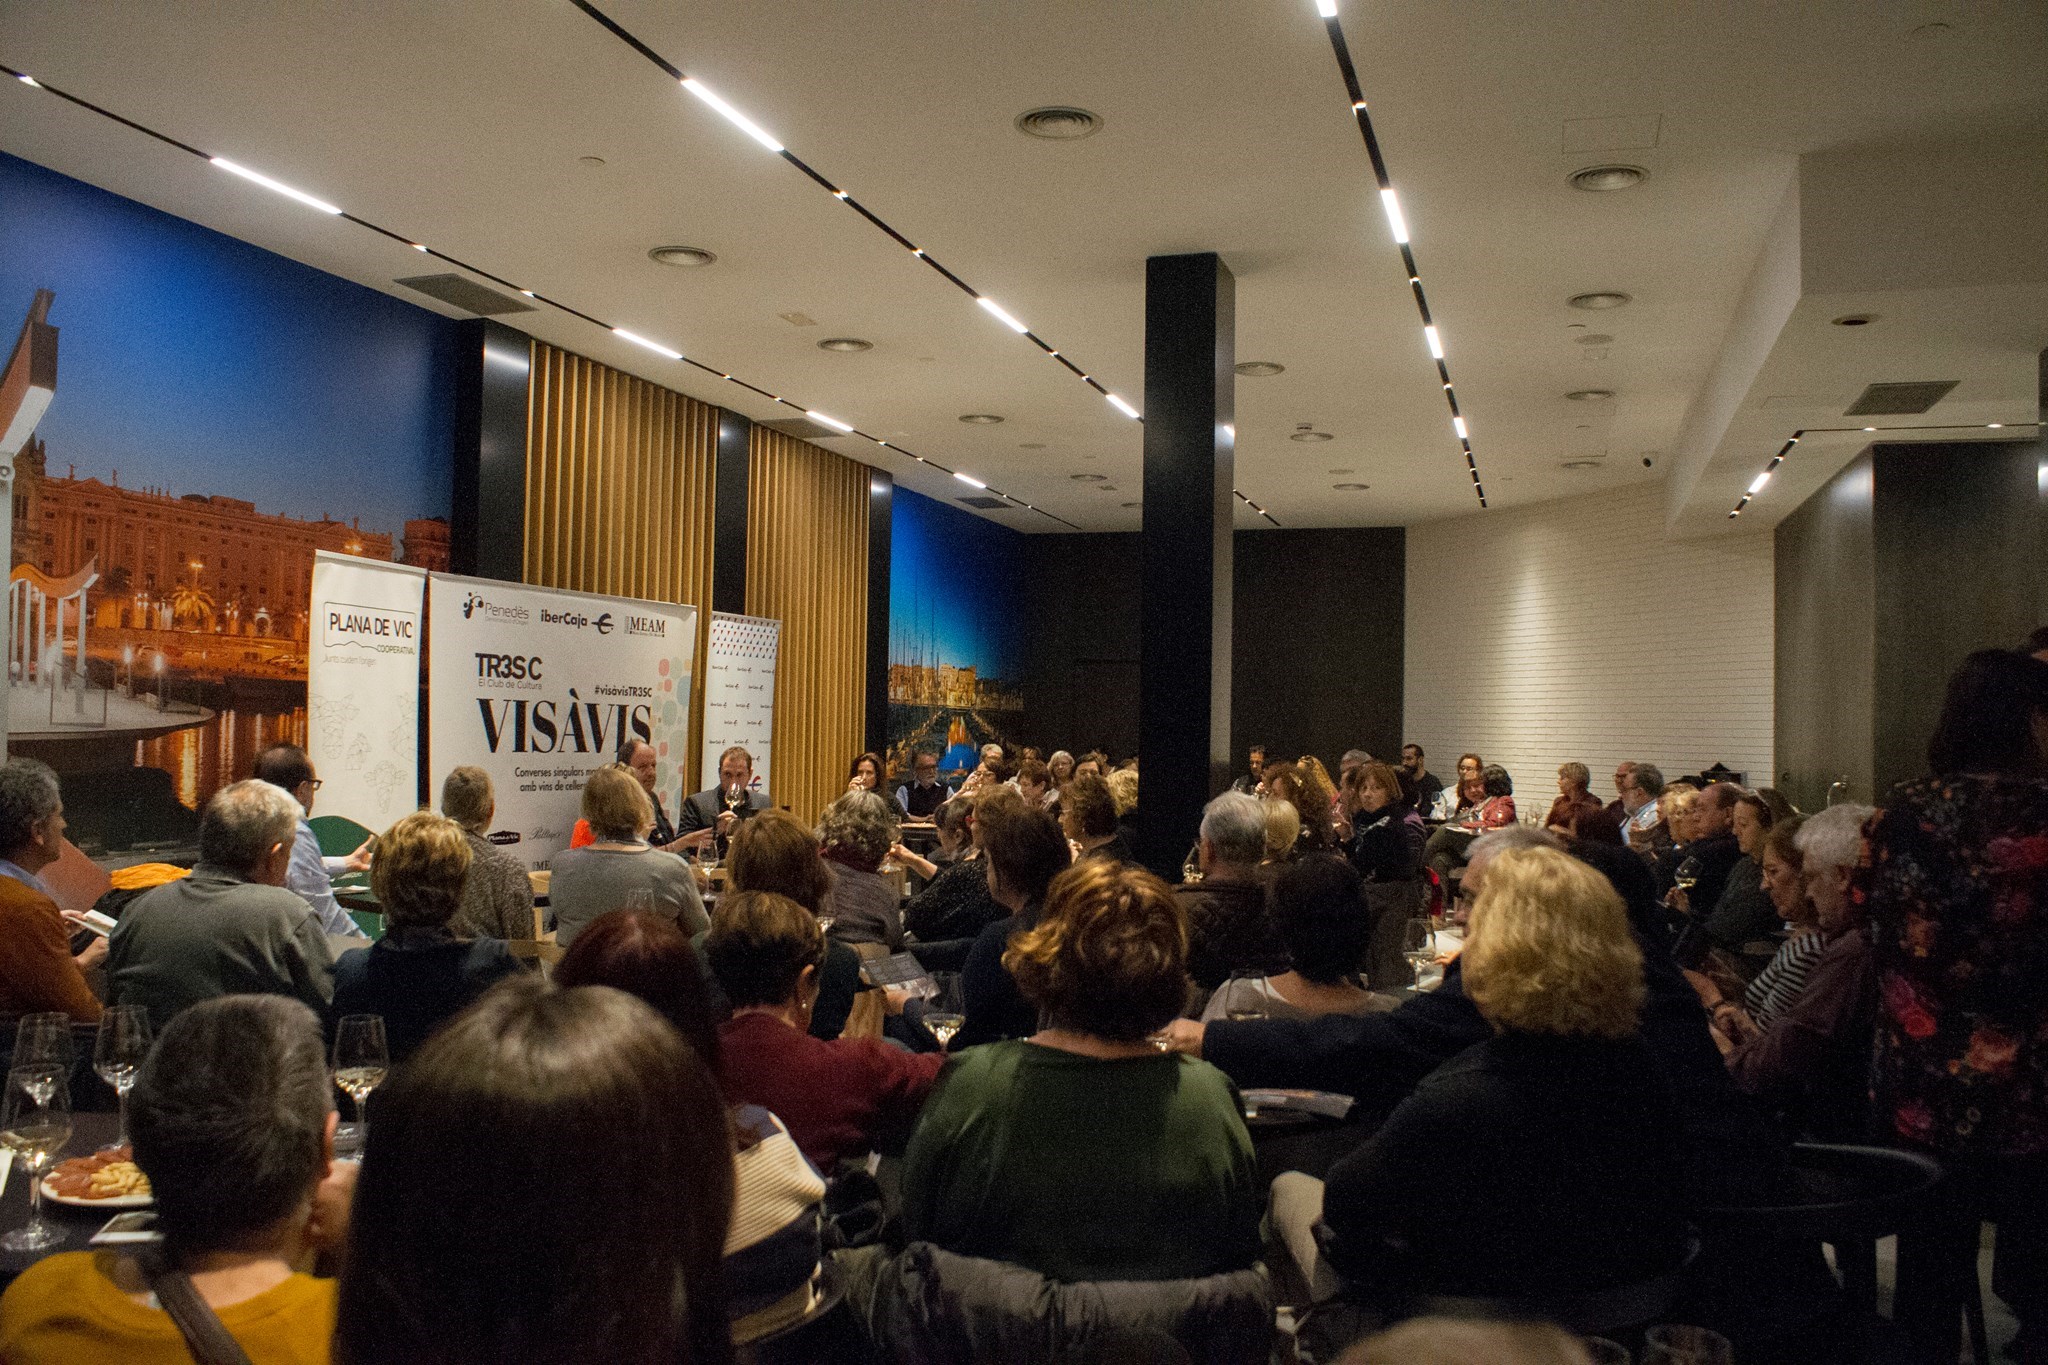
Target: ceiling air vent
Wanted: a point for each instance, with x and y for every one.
(986, 504)
(1899, 400)
(803, 428)
(1059, 123)
(458, 291)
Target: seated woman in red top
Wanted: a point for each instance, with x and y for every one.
(838, 1098)
(1445, 850)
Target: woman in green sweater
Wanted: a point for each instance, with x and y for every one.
(1083, 1152)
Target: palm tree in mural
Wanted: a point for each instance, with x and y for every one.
(190, 602)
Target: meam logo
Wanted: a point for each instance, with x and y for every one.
(647, 625)
(475, 604)
(379, 629)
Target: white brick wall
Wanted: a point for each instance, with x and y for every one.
(1576, 630)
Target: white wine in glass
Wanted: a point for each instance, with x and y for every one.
(35, 1121)
(361, 1061)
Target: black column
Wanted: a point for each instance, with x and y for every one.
(1184, 631)
(729, 514)
(487, 521)
(881, 500)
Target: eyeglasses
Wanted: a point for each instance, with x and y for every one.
(316, 783)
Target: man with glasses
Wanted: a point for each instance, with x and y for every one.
(310, 875)
(922, 796)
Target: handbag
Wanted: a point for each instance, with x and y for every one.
(205, 1335)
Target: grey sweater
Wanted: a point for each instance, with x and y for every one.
(212, 934)
(593, 881)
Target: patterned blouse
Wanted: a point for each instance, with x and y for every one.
(1955, 880)
(1779, 983)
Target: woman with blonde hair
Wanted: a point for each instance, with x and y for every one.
(1557, 1136)
(619, 869)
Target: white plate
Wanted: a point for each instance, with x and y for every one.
(124, 1201)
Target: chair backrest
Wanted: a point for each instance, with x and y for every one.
(338, 835)
(1840, 1191)
(1391, 905)
(937, 1308)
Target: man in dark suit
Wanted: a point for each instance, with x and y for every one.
(639, 756)
(719, 809)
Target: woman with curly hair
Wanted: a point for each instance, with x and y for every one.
(855, 834)
(1557, 1135)
(1082, 1151)
(1308, 790)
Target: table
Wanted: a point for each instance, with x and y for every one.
(88, 1133)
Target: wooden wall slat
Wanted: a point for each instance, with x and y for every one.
(807, 566)
(619, 492)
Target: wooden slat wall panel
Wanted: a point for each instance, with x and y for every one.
(807, 566)
(618, 492)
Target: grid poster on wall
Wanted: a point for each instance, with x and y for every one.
(739, 693)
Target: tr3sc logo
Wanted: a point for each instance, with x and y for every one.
(518, 667)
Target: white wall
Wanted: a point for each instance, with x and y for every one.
(1575, 630)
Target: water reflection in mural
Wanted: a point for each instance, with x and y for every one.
(208, 757)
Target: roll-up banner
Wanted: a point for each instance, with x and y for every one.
(363, 687)
(539, 687)
(739, 693)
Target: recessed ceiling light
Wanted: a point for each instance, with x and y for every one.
(1579, 464)
(1259, 369)
(980, 419)
(1599, 299)
(682, 255)
(1310, 434)
(1343, 471)
(1059, 123)
(845, 344)
(1351, 487)
(1855, 320)
(1088, 478)
(1594, 339)
(1032, 445)
(593, 162)
(1590, 395)
(1129, 504)
(1599, 179)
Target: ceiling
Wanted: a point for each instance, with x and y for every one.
(474, 126)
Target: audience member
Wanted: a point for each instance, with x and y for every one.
(1574, 796)
(230, 928)
(310, 875)
(1784, 977)
(1024, 852)
(1123, 793)
(855, 835)
(1644, 828)
(1083, 1152)
(1594, 827)
(471, 1242)
(773, 1247)
(1956, 889)
(1093, 762)
(1813, 1062)
(1387, 836)
(1710, 847)
(232, 1119)
(1428, 787)
(1034, 783)
(1744, 912)
(1061, 766)
(1088, 815)
(1319, 908)
(497, 898)
(721, 808)
(1308, 790)
(1252, 781)
(2037, 644)
(954, 903)
(1446, 847)
(866, 776)
(1230, 927)
(1471, 783)
(1619, 807)
(1353, 758)
(638, 757)
(1552, 1147)
(773, 852)
(38, 973)
(921, 797)
(839, 1099)
(419, 974)
(1283, 831)
(620, 870)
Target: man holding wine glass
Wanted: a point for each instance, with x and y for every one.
(718, 810)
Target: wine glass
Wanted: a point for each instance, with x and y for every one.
(1681, 1345)
(944, 1013)
(118, 1054)
(1601, 1351)
(1244, 996)
(42, 1044)
(1418, 945)
(361, 1060)
(1191, 866)
(1688, 874)
(35, 1120)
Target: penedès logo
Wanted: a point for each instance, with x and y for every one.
(475, 604)
(647, 625)
(379, 630)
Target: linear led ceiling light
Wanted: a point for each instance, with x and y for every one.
(499, 280)
(832, 422)
(278, 187)
(1398, 222)
(760, 135)
(969, 480)
(1121, 406)
(1756, 485)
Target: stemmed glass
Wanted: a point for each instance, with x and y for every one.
(361, 1060)
(118, 1054)
(1601, 1351)
(1418, 945)
(944, 1013)
(1687, 875)
(1244, 997)
(1680, 1345)
(35, 1120)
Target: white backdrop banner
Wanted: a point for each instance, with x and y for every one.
(739, 693)
(363, 686)
(539, 687)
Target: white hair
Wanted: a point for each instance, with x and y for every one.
(1833, 837)
(1511, 837)
(1235, 826)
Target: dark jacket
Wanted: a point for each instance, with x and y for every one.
(1230, 928)
(955, 903)
(1381, 847)
(702, 809)
(1744, 913)
(1813, 1062)
(994, 1007)
(417, 979)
